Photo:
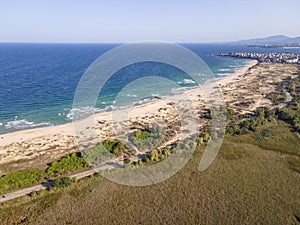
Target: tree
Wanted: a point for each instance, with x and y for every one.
(62, 182)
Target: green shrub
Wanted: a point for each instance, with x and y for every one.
(96, 154)
(157, 154)
(234, 129)
(114, 147)
(265, 134)
(249, 125)
(71, 162)
(19, 179)
(147, 139)
(62, 182)
(291, 116)
(103, 150)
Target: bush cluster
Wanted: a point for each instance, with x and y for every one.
(20, 179)
(62, 182)
(69, 163)
(148, 138)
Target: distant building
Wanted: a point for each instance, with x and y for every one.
(290, 58)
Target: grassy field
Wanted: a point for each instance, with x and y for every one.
(254, 180)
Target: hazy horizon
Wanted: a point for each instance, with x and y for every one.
(182, 42)
(117, 21)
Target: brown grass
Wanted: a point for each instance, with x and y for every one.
(245, 185)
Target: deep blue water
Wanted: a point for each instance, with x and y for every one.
(38, 81)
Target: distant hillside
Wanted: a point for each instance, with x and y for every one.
(295, 40)
(273, 40)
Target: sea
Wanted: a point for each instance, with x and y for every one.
(38, 80)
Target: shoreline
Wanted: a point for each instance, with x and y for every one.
(238, 75)
(41, 124)
(67, 127)
(243, 91)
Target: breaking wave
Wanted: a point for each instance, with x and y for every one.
(223, 74)
(82, 112)
(186, 81)
(23, 124)
(225, 70)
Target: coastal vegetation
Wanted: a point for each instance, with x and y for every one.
(155, 155)
(248, 165)
(114, 147)
(62, 182)
(77, 161)
(289, 114)
(71, 162)
(29, 177)
(247, 125)
(258, 164)
(261, 123)
(147, 138)
(21, 179)
(104, 150)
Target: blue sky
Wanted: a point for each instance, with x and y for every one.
(135, 20)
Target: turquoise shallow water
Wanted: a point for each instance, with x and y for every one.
(38, 81)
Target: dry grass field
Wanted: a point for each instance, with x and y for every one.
(252, 181)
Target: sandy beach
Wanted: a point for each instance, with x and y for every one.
(244, 91)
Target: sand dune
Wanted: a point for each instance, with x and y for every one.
(243, 91)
